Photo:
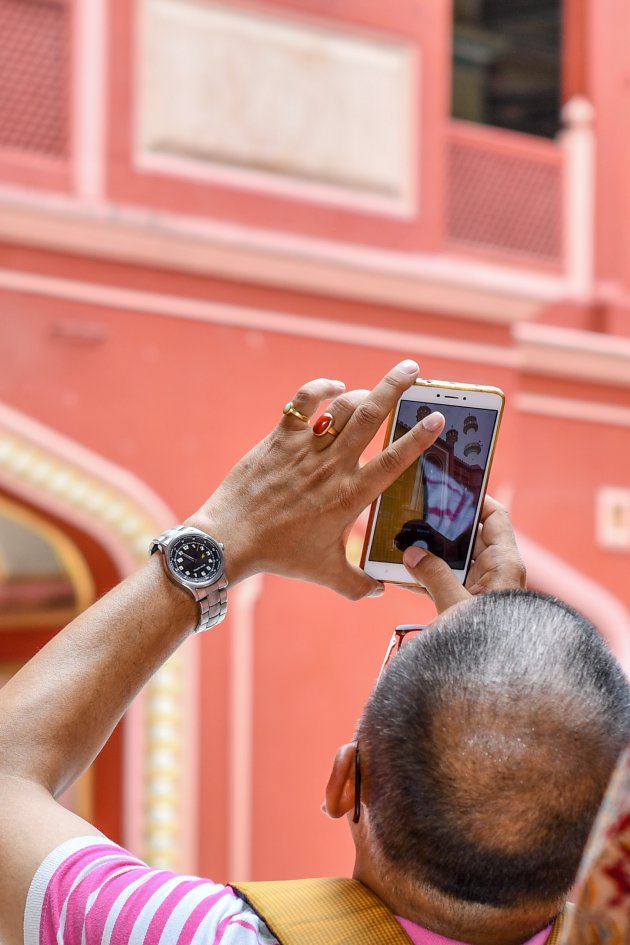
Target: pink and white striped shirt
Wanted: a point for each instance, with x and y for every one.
(89, 891)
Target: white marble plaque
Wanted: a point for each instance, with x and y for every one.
(230, 87)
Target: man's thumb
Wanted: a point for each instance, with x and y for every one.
(436, 576)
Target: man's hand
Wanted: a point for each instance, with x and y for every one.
(497, 563)
(287, 507)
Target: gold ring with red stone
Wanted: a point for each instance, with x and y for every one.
(290, 409)
(324, 424)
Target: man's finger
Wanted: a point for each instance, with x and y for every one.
(341, 409)
(369, 415)
(355, 584)
(498, 564)
(308, 398)
(497, 531)
(480, 545)
(385, 468)
(496, 524)
(489, 506)
(497, 569)
(436, 576)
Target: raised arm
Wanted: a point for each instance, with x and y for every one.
(58, 711)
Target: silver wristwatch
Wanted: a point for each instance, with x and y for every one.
(194, 560)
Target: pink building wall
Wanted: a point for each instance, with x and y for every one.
(160, 320)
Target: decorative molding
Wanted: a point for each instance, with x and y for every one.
(121, 512)
(453, 285)
(539, 348)
(565, 408)
(413, 343)
(80, 486)
(164, 764)
(568, 352)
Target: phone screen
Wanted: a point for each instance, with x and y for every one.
(434, 504)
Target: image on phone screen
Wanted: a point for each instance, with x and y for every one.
(434, 504)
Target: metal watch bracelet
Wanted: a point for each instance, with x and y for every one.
(213, 605)
(212, 599)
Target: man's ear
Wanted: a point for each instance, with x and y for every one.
(340, 787)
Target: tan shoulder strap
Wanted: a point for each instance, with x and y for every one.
(323, 912)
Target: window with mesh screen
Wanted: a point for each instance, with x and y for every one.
(34, 75)
(507, 64)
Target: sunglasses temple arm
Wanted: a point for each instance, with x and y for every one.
(393, 643)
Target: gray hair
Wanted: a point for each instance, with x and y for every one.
(487, 746)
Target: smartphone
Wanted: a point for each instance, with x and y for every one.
(436, 503)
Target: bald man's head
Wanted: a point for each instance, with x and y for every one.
(487, 746)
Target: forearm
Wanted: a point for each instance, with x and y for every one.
(59, 710)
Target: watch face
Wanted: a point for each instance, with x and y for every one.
(196, 559)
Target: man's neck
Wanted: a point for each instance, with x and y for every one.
(473, 923)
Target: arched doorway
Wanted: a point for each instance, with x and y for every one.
(72, 524)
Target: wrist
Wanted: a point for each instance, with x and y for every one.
(237, 567)
(183, 611)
